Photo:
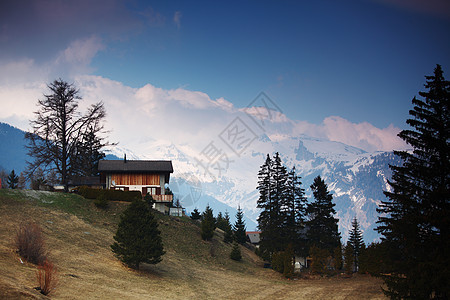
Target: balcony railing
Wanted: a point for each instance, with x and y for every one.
(163, 198)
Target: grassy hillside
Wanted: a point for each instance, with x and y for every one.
(78, 236)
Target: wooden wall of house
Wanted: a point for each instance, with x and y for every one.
(135, 179)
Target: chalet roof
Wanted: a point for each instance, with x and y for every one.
(253, 236)
(158, 166)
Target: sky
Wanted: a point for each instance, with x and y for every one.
(181, 70)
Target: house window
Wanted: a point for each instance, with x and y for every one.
(151, 190)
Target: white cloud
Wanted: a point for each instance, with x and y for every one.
(180, 116)
(81, 51)
(78, 55)
(177, 19)
(362, 135)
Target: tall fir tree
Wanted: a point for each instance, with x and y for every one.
(349, 259)
(12, 180)
(322, 225)
(208, 224)
(272, 196)
(88, 152)
(265, 218)
(293, 211)
(282, 203)
(228, 236)
(356, 242)
(240, 235)
(138, 239)
(414, 219)
(220, 221)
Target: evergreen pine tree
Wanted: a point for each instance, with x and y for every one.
(322, 225)
(228, 236)
(264, 203)
(415, 221)
(272, 186)
(208, 224)
(137, 238)
(195, 215)
(356, 242)
(88, 152)
(337, 256)
(220, 221)
(293, 211)
(12, 180)
(349, 259)
(240, 235)
(236, 252)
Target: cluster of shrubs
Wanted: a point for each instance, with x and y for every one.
(102, 197)
(29, 244)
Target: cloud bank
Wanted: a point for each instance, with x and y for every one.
(179, 116)
(150, 113)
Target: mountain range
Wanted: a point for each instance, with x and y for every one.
(225, 181)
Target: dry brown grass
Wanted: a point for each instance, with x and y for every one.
(191, 268)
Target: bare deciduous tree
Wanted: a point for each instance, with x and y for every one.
(59, 131)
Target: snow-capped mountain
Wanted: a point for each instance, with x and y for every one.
(225, 179)
(355, 177)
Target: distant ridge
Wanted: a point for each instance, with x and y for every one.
(13, 154)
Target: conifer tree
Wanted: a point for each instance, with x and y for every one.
(228, 236)
(12, 180)
(282, 203)
(337, 256)
(240, 235)
(349, 259)
(265, 218)
(208, 224)
(356, 242)
(138, 238)
(414, 218)
(293, 211)
(195, 215)
(236, 252)
(273, 191)
(322, 225)
(220, 221)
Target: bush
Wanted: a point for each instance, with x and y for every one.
(101, 201)
(149, 200)
(30, 243)
(112, 195)
(236, 252)
(282, 262)
(47, 277)
(319, 257)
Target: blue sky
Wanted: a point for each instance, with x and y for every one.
(362, 61)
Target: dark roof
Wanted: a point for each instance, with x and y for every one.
(159, 166)
(253, 236)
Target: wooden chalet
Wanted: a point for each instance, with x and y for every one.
(146, 176)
